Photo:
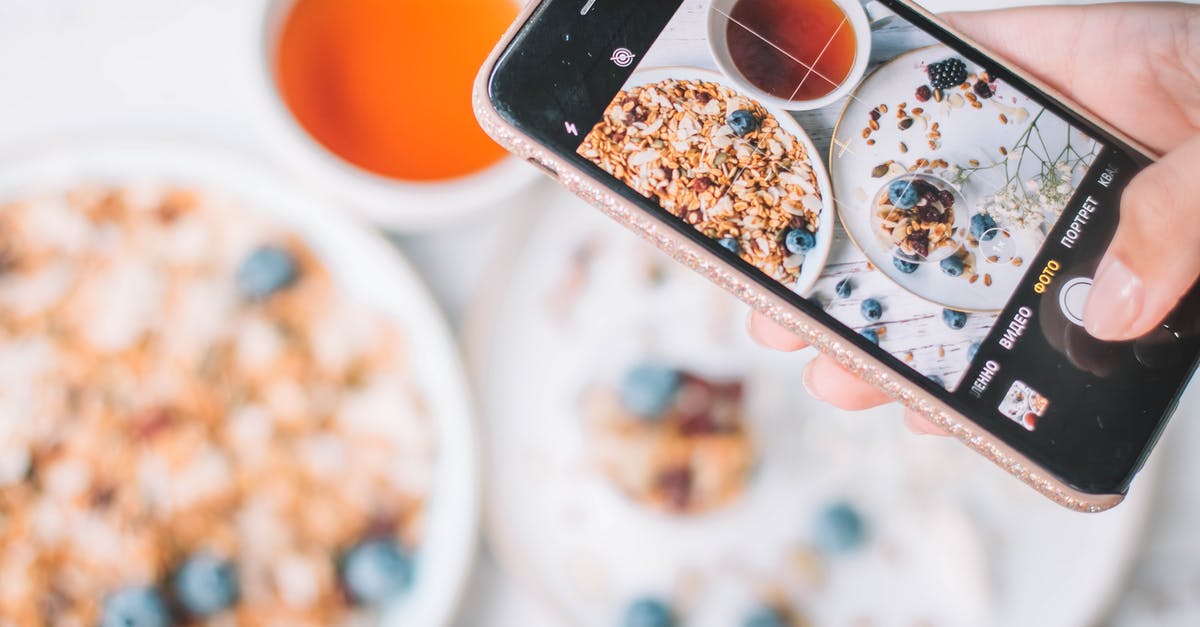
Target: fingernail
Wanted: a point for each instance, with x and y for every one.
(1115, 301)
(753, 332)
(808, 384)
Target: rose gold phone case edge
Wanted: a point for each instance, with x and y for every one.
(687, 252)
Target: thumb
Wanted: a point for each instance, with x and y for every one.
(1154, 257)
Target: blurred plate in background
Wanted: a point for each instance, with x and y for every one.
(948, 539)
(365, 268)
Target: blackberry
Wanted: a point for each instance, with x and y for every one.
(946, 74)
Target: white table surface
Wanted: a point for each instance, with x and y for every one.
(186, 68)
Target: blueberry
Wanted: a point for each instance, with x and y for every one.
(954, 319)
(743, 122)
(800, 241)
(972, 351)
(376, 570)
(905, 266)
(266, 271)
(731, 244)
(766, 617)
(872, 336)
(844, 288)
(903, 194)
(649, 390)
(206, 585)
(872, 310)
(952, 266)
(982, 223)
(839, 528)
(649, 613)
(135, 607)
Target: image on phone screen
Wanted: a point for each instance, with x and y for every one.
(941, 186)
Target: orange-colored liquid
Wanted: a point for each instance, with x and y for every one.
(386, 84)
(792, 49)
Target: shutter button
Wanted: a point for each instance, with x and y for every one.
(1073, 297)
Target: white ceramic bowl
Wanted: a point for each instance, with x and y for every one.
(816, 259)
(365, 267)
(960, 210)
(388, 203)
(718, 20)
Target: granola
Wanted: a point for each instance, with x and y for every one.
(159, 400)
(717, 160)
(915, 214)
(691, 456)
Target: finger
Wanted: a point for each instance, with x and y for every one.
(1154, 257)
(771, 334)
(1043, 40)
(827, 381)
(920, 426)
(1144, 47)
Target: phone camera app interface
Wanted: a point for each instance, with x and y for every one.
(914, 222)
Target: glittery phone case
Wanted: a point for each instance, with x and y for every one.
(601, 194)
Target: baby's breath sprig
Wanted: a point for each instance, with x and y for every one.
(1029, 200)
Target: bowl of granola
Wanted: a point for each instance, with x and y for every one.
(742, 173)
(212, 413)
(917, 216)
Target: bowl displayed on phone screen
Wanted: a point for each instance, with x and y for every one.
(372, 100)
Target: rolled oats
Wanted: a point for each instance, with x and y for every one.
(671, 142)
(149, 413)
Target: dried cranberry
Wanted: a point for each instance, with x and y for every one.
(947, 198)
(919, 242)
(924, 93)
(929, 213)
(983, 90)
(875, 115)
(676, 484)
(698, 425)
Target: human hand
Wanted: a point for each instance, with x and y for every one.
(1137, 66)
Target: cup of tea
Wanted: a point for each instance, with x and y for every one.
(371, 101)
(794, 54)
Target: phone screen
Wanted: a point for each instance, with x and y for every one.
(884, 177)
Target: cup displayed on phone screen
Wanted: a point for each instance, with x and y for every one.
(794, 54)
(373, 100)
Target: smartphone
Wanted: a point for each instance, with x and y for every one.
(876, 182)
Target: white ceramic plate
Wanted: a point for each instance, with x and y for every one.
(955, 541)
(367, 268)
(814, 261)
(966, 134)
